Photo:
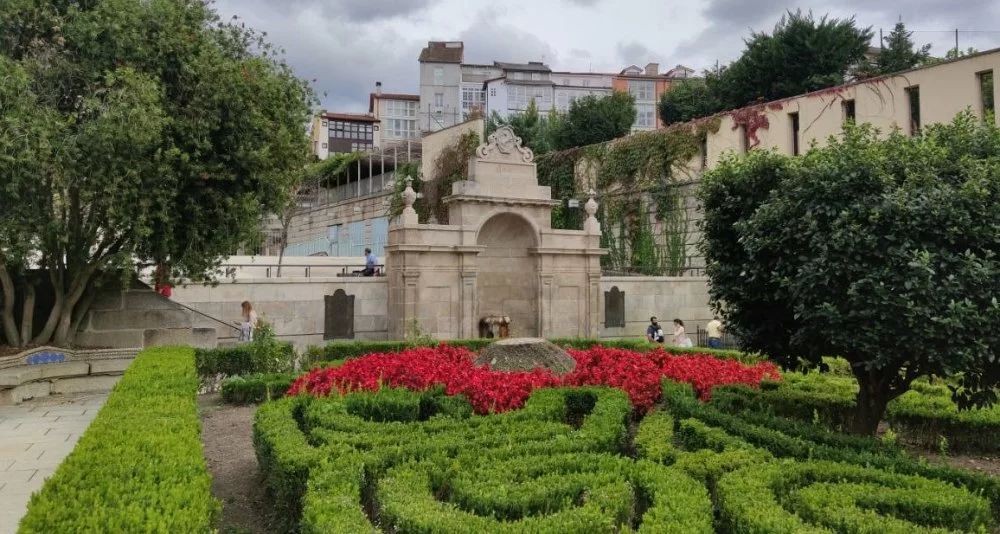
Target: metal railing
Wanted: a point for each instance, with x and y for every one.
(729, 342)
(232, 271)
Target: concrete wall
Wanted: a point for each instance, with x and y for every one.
(450, 87)
(294, 306)
(314, 223)
(665, 297)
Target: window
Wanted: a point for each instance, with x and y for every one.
(517, 75)
(361, 147)
(794, 119)
(439, 100)
(848, 106)
(517, 97)
(586, 82)
(643, 91)
(438, 76)
(986, 91)
(744, 139)
(493, 91)
(536, 76)
(562, 101)
(325, 145)
(645, 116)
(913, 104)
(472, 98)
(401, 129)
(401, 108)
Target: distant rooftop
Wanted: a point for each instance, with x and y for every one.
(532, 66)
(443, 52)
(355, 117)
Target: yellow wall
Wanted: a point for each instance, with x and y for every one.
(434, 143)
(945, 90)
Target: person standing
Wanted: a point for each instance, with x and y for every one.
(370, 262)
(249, 322)
(714, 328)
(680, 338)
(654, 334)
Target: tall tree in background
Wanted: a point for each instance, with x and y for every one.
(594, 119)
(159, 135)
(898, 54)
(689, 100)
(802, 54)
(530, 125)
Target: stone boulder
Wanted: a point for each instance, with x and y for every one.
(525, 354)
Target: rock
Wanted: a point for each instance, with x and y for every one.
(525, 354)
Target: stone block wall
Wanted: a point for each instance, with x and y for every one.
(666, 297)
(294, 306)
(138, 318)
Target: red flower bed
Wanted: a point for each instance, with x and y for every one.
(488, 391)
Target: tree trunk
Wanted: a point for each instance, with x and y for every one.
(9, 324)
(80, 313)
(28, 314)
(871, 403)
(77, 290)
(60, 297)
(284, 244)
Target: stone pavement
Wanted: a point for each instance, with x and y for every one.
(34, 437)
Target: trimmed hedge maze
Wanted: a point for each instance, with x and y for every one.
(577, 460)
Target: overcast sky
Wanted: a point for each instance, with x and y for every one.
(347, 45)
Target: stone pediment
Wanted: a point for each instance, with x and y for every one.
(504, 146)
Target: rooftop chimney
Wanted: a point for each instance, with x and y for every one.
(652, 69)
(378, 88)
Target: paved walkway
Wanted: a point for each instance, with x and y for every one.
(34, 437)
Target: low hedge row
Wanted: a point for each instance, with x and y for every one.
(828, 496)
(923, 414)
(785, 438)
(341, 350)
(256, 388)
(244, 359)
(139, 466)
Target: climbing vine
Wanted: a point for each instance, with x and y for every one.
(451, 165)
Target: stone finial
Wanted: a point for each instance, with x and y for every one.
(504, 145)
(591, 225)
(591, 206)
(409, 197)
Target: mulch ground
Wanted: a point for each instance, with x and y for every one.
(227, 435)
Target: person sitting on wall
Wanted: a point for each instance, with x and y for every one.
(370, 262)
(654, 334)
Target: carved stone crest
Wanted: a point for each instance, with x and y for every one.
(504, 146)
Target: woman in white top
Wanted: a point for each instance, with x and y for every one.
(249, 322)
(680, 338)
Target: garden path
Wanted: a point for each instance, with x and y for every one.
(35, 436)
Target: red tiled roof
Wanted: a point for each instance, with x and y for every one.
(389, 96)
(439, 52)
(356, 117)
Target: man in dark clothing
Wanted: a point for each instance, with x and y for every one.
(654, 334)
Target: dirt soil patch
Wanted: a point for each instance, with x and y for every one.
(227, 435)
(977, 463)
(525, 354)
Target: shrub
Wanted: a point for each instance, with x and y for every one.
(256, 388)
(817, 496)
(283, 453)
(653, 439)
(641, 345)
(265, 354)
(139, 466)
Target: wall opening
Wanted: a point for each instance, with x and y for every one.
(849, 110)
(986, 93)
(794, 120)
(913, 106)
(506, 277)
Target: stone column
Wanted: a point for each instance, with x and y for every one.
(545, 294)
(593, 304)
(467, 292)
(410, 300)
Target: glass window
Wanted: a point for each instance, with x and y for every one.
(645, 116)
(493, 91)
(536, 76)
(439, 100)
(438, 76)
(643, 91)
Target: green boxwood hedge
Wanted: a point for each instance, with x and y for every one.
(139, 466)
(242, 360)
(256, 388)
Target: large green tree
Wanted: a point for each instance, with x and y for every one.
(161, 136)
(594, 119)
(530, 125)
(899, 53)
(689, 100)
(882, 250)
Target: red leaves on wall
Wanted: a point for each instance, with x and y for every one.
(751, 119)
(489, 391)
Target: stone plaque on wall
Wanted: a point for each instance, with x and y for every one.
(614, 308)
(338, 320)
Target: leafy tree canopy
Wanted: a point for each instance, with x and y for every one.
(881, 250)
(158, 134)
(899, 53)
(688, 100)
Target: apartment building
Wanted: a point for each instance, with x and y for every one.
(342, 133)
(646, 85)
(440, 104)
(569, 86)
(397, 118)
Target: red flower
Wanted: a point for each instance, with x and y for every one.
(638, 374)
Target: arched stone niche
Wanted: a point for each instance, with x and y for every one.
(499, 256)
